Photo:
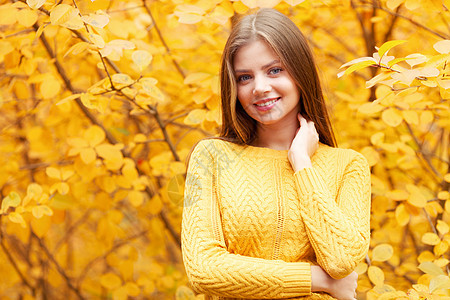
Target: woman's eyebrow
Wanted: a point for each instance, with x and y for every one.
(276, 61)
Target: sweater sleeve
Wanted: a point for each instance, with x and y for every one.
(338, 229)
(213, 270)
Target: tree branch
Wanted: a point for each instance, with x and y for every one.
(177, 66)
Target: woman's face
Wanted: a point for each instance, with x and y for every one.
(265, 89)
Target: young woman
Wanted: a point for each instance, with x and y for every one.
(272, 209)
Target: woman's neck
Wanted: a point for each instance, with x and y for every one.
(276, 136)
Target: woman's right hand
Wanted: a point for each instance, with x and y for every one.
(341, 289)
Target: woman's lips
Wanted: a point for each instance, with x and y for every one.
(267, 104)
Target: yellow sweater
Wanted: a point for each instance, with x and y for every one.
(252, 226)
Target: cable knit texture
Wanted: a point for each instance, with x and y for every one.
(252, 227)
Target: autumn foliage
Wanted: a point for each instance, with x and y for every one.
(101, 102)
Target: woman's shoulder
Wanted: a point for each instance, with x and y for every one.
(343, 155)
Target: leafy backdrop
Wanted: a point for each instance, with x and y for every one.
(101, 102)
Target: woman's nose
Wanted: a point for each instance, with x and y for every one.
(262, 85)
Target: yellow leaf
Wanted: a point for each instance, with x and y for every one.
(120, 294)
(40, 210)
(388, 46)
(196, 78)
(442, 47)
(416, 196)
(5, 47)
(153, 91)
(391, 117)
(88, 155)
(376, 275)
(66, 174)
(393, 4)
(12, 200)
(141, 59)
(442, 227)
(361, 268)
(188, 18)
(63, 188)
(7, 15)
(35, 4)
(184, 293)
(397, 195)
(260, 3)
(370, 108)
(425, 256)
(17, 218)
(50, 87)
(413, 4)
(372, 156)
(53, 173)
(175, 189)
(155, 205)
(442, 262)
(195, 116)
(294, 2)
(431, 268)
(380, 77)
(34, 190)
(122, 79)
(129, 170)
(415, 59)
(410, 116)
(26, 17)
(440, 248)
(97, 40)
(239, 7)
(61, 14)
(430, 238)
(115, 48)
(108, 151)
(110, 281)
(96, 20)
(140, 138)
(132, 289)
(382, 252)
(356, 67)
(426, 117)
(136, 198)
(68, 98)
(440, 282)
(401, 215)
(41, 226)
(94, 135)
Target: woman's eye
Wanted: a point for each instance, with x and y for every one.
(275, 71)
(243, 78)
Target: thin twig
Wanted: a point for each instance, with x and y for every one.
(104, 255)
(71, 229)
(58, 267)
(14, 264)
(177, 66)
(425, 157)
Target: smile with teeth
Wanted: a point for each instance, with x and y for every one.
(268, 102)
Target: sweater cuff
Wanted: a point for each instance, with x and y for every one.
(297, 280)
(308, 180)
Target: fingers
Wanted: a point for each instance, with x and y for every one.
(302, 120)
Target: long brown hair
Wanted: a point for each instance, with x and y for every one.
(284, 37)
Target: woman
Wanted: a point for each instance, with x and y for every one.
(272, 208)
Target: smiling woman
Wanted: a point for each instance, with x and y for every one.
(272, 209)
(265, 89)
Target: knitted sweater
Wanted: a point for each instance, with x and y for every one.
(252, 227)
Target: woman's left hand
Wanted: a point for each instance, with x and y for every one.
(304, 144)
